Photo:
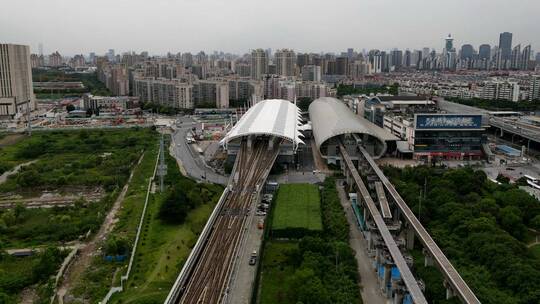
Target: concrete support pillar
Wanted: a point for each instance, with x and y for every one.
(410, 238)
(387, 277)
(428, 260)
(249, 142)
(449, 293)
(398, 297)
(502, 132)
(270, 143)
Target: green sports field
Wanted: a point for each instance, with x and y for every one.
(297, 206)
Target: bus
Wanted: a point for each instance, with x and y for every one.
(533, 181)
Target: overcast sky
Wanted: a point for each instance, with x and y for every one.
(159, 26)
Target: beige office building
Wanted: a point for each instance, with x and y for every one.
(16, 92)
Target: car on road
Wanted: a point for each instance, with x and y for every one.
(260, 213)
(253, 258)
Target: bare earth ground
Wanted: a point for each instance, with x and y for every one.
(74, 271)
(10, 139)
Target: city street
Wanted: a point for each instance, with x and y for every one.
(190, 160)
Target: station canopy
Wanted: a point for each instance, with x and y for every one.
(330, 117)
(273, 117)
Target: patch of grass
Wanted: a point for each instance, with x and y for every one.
(275, 271)
(17, 273)
(88, 158)
(298, 206)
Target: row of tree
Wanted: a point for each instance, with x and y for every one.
(498, 105)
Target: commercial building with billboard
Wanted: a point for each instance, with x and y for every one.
(448, 136)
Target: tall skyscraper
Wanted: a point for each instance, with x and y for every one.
(525, 58)
(285, 61)
(397, 58)
(505, 45)
(16, 91)
(110, 55)
(407, 58)
(467, 52)
(484, 52)
(516, 57)
(350, 53)
(449, 43)
(259, 64)
(450, 57)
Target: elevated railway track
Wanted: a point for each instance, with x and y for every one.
(453, 280)
(206, 275)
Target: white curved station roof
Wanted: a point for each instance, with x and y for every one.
(275, 117)
(330, 117)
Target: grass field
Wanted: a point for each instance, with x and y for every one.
(535, 250)
(297, 206)
(275, 271)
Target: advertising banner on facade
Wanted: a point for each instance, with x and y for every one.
(448, 121)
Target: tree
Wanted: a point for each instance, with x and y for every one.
(175, 207)
(535, 222)
(47, 264)
(70, 108)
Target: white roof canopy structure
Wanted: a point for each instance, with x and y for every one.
(274, 117)
(330, 117)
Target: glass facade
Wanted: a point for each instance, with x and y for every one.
(466, 141)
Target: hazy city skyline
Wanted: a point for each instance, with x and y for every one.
(238, 26)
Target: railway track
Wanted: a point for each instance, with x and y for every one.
(210, 277)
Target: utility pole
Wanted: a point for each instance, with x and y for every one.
(162, 168)
(28, 117)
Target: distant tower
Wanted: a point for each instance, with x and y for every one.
(40, 47)
(449, 46)
(505, 45)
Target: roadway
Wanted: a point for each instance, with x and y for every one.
(192, 162)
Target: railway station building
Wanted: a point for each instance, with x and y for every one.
(333, 122)
(275, 120)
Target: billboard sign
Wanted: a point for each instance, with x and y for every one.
(448, 121)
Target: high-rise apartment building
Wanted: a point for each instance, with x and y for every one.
(534, 93)
(285, 61)
(259, 64)
(16, 91)
(55, 59)
(311, 73)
